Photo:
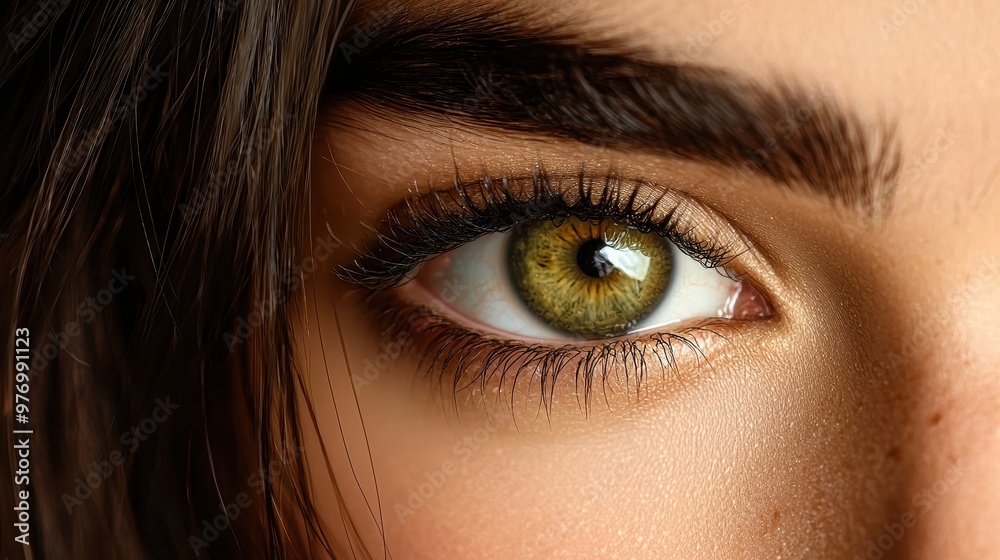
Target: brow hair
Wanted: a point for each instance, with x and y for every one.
(494, 69)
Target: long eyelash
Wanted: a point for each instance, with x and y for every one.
(465, 359)
(440, 221)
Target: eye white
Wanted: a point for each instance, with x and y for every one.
(475, 281)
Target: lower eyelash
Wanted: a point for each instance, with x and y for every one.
(451, 354)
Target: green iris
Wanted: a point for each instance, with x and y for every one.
(592, 280)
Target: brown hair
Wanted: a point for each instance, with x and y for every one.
(156, 162)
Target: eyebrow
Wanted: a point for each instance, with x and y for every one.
(493, 69)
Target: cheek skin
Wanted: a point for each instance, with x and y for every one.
(946, 354)
(742, 463)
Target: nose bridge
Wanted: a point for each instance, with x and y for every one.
(950, 504)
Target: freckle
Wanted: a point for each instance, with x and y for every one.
(936, 419)
(775, 518)
(893, 453)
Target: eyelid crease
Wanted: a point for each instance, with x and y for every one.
(434, 223)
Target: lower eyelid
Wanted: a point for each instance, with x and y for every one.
(493, 372)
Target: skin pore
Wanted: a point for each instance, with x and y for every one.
(862, 414)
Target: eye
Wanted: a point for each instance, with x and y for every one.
(573, 279)
(506, 285)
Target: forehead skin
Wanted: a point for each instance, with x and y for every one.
(930, 67)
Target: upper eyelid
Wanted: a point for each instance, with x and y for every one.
(496, 203)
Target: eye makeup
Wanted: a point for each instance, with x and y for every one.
(470, 358)
(442, 220)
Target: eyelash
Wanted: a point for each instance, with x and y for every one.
(480, 362)
(438, 222)
(441, 221)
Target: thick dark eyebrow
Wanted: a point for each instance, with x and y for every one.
(493, 69)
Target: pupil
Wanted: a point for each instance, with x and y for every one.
(591, 261)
